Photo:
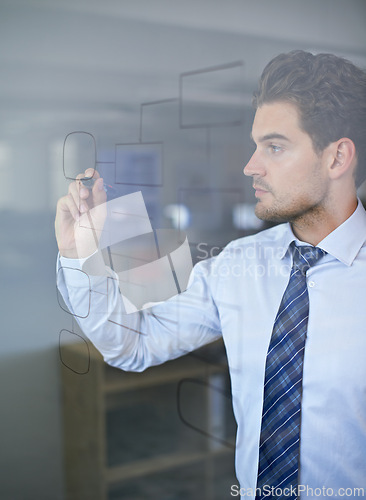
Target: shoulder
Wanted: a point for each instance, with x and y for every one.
(275, 238)
(267, 245)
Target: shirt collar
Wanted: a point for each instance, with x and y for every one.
(343, 243)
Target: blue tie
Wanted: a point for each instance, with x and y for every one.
(280, 432)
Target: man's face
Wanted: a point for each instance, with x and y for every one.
(288, 175)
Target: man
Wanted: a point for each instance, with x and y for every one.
(292, 316)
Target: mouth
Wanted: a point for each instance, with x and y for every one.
(259, 191)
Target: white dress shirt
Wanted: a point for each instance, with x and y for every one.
(237, 295)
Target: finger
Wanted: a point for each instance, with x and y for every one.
(83, 191)
(87, 180)
(88, 177)
(80, 195)
(91, 173)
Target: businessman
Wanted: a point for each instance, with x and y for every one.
(289, 301)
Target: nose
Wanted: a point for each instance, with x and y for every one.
(254, 166)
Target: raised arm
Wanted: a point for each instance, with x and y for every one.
(131, 341)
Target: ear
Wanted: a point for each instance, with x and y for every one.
(342, 158)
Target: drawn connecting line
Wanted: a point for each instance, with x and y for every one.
(141, 163)
(212, 97)
(217, 92)
(153, 103)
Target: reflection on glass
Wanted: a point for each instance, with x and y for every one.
(210, 422)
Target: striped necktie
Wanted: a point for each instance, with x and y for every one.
(280, 432)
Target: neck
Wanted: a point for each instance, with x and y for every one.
(313, 228)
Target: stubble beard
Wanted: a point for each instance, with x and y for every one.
(298, 212)
(304, 209)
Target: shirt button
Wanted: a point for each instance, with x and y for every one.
(311, 284)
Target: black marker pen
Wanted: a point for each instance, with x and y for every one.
(88, 182)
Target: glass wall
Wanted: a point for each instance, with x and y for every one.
(158, 98)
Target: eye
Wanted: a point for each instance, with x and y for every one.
(274, 148)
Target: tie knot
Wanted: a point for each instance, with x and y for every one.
(305, 256)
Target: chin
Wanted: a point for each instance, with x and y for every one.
(277, 214)
(305, 210)
(274, 217)
(269, 214)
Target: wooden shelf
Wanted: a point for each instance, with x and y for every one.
(160, 463)
(88, 400)
(171, 371)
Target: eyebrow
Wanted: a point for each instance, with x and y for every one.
(269, 137)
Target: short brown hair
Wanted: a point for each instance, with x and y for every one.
(330, 93)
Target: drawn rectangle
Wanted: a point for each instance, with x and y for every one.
(79, 154)
(83, 280)
(139, 164)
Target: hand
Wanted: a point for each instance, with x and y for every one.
(80, 217)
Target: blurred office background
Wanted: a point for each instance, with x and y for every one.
(129, 72)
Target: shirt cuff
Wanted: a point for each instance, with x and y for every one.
(72, 270)
(73, 263)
